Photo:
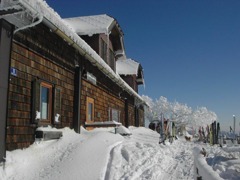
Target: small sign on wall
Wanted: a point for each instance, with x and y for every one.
(91, 78)
(13, 71)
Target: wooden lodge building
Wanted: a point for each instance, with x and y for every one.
(62, 73)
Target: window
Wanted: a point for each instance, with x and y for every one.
(90, 110)
(46, 103)
(107, 55)
(114, 115)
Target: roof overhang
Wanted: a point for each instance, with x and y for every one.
(16, 13)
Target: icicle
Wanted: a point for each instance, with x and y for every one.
(143, 80)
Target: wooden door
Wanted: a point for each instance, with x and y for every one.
(90, 110)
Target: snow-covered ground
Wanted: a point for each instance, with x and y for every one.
(101, 154)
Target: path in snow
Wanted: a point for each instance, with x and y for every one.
(141, 157)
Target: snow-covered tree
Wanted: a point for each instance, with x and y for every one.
(180, 113)
(202, 117)
(162, 106)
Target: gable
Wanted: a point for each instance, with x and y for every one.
(90, 25)
(97, 24)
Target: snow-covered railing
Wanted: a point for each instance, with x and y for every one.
(201, 169)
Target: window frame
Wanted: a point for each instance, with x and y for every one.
(49, 102)
(114, 110)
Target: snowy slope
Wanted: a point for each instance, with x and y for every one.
(101, 154)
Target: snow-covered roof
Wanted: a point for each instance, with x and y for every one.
(99, 24)
(130, 67)
(127, 67)
(89, 25)
(40, 11)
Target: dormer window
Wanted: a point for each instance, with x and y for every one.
(131, 72)
(107, 54)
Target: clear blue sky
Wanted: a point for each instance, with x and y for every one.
(189, 49)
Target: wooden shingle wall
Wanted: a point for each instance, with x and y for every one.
(34, 56)
(106, 94)
(103, 100)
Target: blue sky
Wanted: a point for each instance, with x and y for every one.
(189, 49)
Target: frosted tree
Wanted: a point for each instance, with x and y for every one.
(202, 117)
(156, 108)
(181, 113)
(162, 106)
(176, 111)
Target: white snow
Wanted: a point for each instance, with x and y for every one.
(101, 154)
(127, 67)
(123, 130)
(104, 123)
(89, 25)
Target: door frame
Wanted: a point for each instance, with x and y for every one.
(6, 33)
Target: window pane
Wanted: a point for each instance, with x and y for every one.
(90, 111)
(44, 102)
(115, 115)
